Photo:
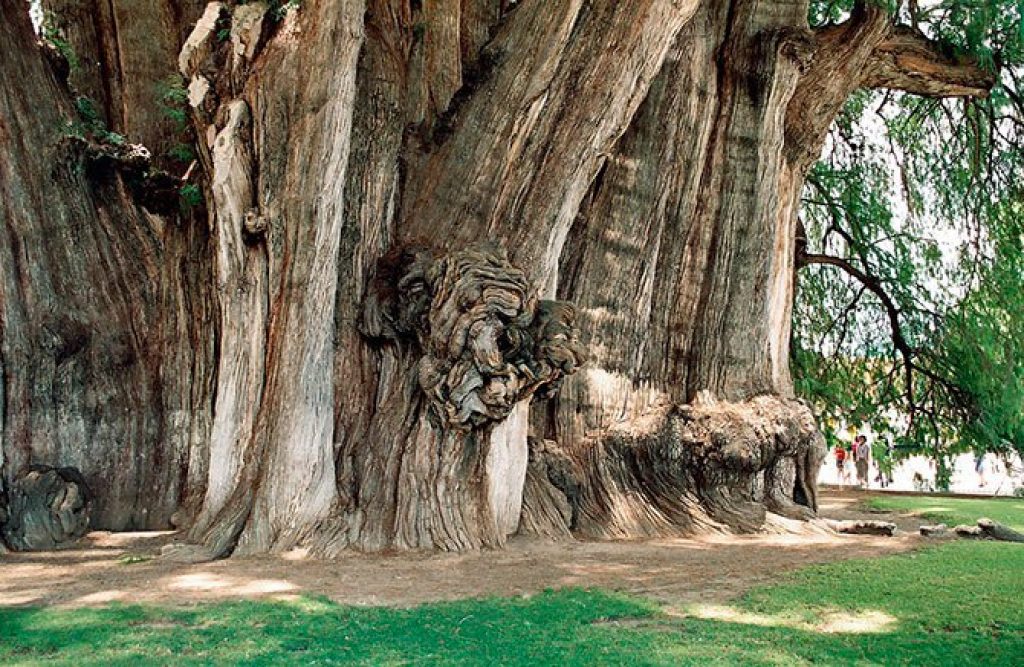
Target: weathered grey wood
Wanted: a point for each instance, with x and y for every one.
(551, 492)
(938, 531)
(47, 508)
(998, 531)
(277, 201)
(987, 529)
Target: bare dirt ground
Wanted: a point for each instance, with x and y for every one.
(125, 567)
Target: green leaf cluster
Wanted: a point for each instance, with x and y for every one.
(925, 196)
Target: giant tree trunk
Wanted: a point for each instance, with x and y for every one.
(106, 351)
(468, 267)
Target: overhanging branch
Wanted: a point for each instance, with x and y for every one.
(870, 51)
(906, 351)
(874, 285)
(907, 60)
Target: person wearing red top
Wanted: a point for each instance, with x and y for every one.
(841, 463)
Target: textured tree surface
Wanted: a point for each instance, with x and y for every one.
(464, 267)
(48, 507)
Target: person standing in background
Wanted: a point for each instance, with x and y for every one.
(862, 459)
(979, 468)
(882, 453)
(840, 454)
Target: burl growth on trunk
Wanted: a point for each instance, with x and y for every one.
(484, 345)
(486, 342)
(473, 345)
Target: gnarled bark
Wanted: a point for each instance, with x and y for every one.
(474, 346)
(336, 358)
(46, 508)
(707, 466)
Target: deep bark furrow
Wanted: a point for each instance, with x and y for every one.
(543, 158)
(92, 284)
(350, 345)
(124, 54)
(734, 140)
(625, 291)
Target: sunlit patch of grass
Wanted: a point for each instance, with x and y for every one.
(855, 622)
(952, 511)
(133, 559)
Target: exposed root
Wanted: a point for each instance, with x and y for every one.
(987, 529)
(551, 494)
(181, 552)
(938, 531)
(707, 467)
(884, 528)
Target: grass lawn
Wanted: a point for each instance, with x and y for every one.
(955, 604)
(953, 511)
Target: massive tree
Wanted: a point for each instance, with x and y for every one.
(458, 268)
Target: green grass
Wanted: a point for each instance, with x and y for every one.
(955, 604)
(952, 511)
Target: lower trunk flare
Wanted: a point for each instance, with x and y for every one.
(710, 466)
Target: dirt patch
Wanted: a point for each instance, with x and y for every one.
(123, 567)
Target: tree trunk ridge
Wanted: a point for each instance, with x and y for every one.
(464, 267)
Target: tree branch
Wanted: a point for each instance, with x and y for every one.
(875, 287)
(841, 53)
(868, 50)
(902, 345)
(907, 60)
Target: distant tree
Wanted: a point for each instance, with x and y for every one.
(910, 313)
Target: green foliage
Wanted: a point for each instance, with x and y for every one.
(983, 345)
(923, 196)
(90, 124)
(181, 153)
(50, 34)
(172, 99)
(191, 195)
(280, 8)
(950, 605)
(87, 111)
(133, 559)
(824, 12)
